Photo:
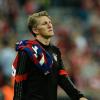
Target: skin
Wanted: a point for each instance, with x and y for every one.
(83, 98)
(44, 32)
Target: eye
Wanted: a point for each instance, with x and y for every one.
(50, 22)
(44, 23)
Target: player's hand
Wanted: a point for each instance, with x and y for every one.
(83, 98)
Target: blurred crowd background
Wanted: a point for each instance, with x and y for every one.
(77, 34)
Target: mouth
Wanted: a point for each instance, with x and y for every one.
(50, 30)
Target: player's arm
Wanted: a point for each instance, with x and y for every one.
(20, 76)
(69, 87)
(65, 82)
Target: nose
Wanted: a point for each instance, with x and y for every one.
(49, 25)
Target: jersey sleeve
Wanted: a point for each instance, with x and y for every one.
(65, 83)
(21, 76)
(61, 69)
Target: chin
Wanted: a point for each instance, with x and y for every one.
(51, 33)
(49, 36)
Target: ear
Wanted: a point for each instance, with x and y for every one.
(35, 30)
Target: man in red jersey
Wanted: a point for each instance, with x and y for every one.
(38, 67)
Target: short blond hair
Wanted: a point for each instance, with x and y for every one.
(32, 20)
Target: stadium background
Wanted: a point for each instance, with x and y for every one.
(77, 34)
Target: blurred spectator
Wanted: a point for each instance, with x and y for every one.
(1, 84)
(7, 56)
(31, 6)
(6, 89)
(4, 27)
(95, 44)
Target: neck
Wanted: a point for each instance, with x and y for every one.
(45, 41)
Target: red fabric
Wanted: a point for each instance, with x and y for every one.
(63, 72)
(19, 78)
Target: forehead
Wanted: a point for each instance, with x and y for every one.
(42, 19)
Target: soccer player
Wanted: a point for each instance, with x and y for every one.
(38, 67)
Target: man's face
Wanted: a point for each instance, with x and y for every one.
(44, 27)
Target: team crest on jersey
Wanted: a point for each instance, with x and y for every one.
(55, 56)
